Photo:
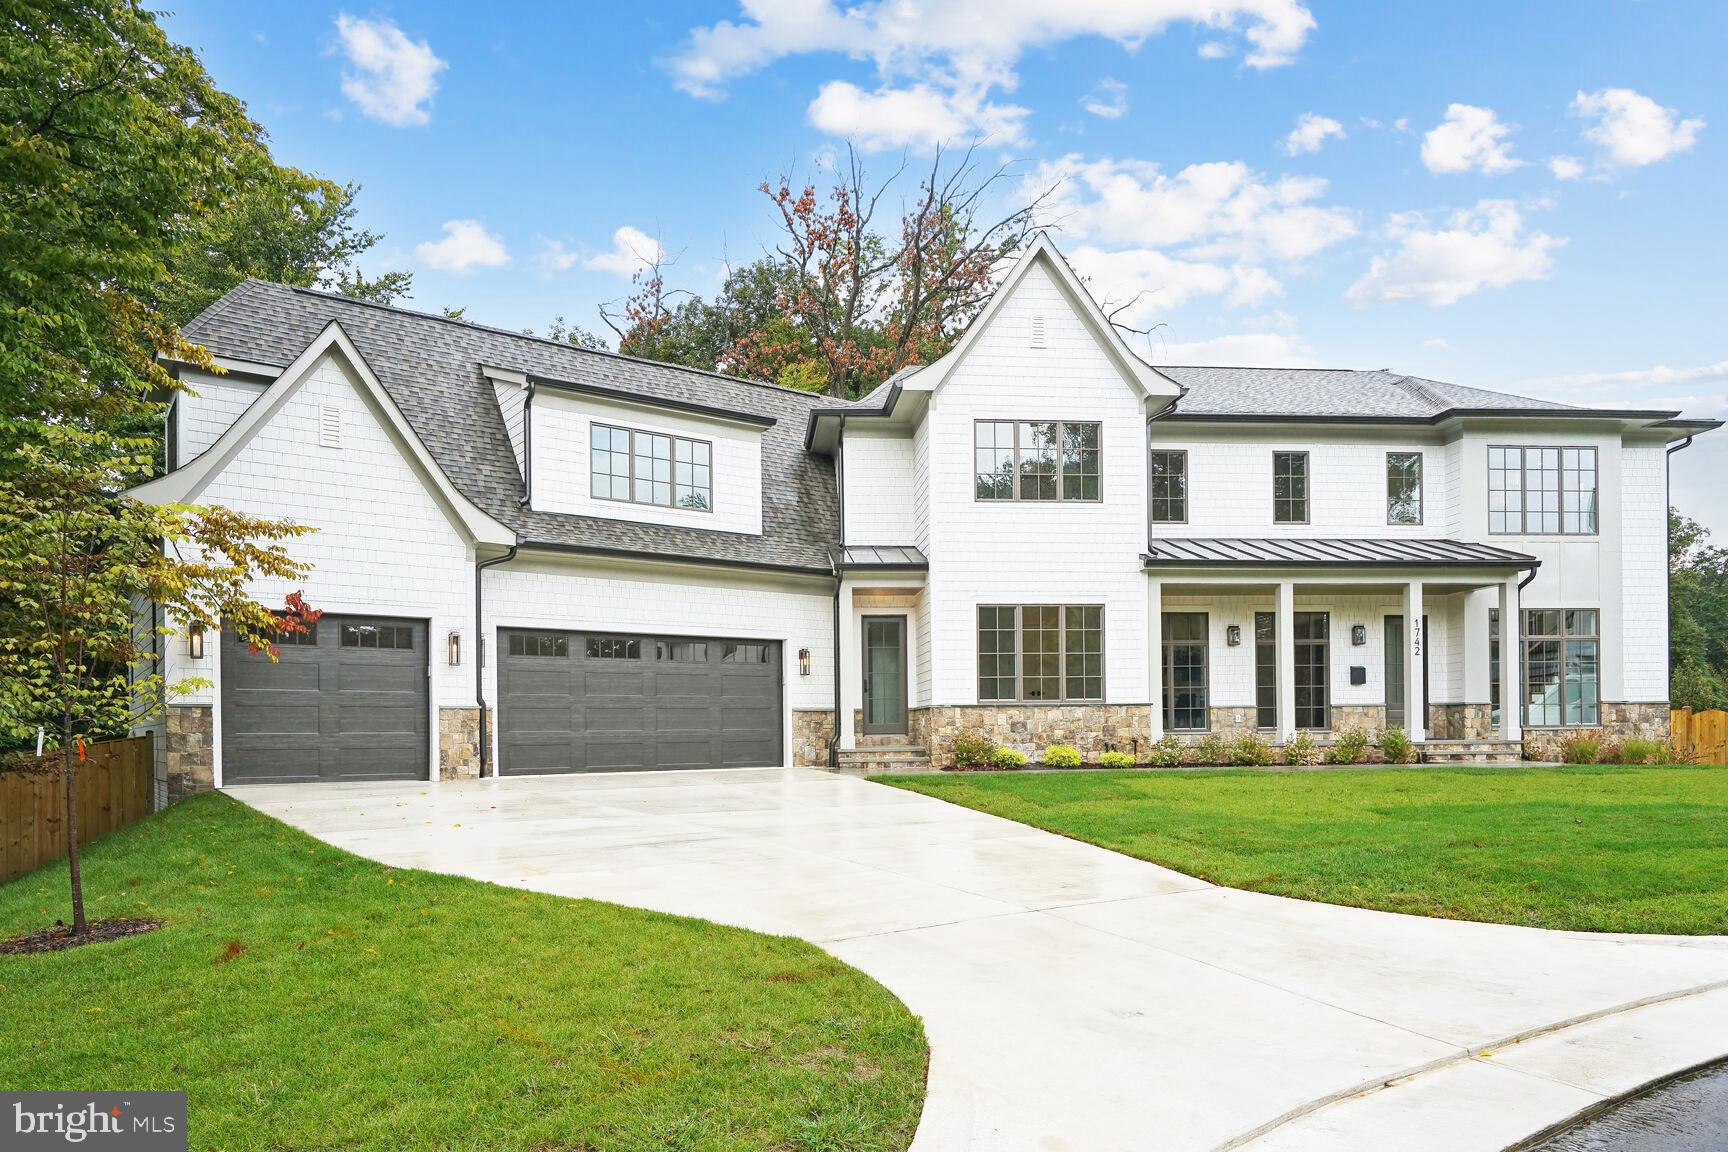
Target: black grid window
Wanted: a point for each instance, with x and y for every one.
(1185, 678)
(1169, 487)
(1494, 666)
(397, 636)
(1266, 670)
(1312, 631)
(1040, 652)
(548, 644)
(613, 648)
(1562, 651)
(650, 468)
(1403, 487)
(1542, 491)
(1290, 487)
(1037, 460)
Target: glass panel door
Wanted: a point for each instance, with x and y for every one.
(884, 675)
(1313, 658)
(1185, 707)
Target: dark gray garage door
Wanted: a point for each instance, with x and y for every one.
(347, 701)
(602, 702)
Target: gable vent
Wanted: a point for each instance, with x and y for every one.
(1037, 331)
(329, 426)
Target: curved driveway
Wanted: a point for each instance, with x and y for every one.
(1077, 999)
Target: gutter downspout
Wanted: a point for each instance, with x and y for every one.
(480, 655)
(839, 578)
(1668, 551)
(528, 443)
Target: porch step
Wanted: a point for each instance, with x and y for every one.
(1473, 751)
(865, 761)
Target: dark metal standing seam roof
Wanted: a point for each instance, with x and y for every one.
(431, 368)
(1315, 552)
(881, 556)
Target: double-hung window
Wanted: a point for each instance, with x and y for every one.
(1542, 491)
(1290, 487)
(1169, 493)
(1403, 487)
(1040, 652)
(1562, 649)
(651, 468)
(1037, 460)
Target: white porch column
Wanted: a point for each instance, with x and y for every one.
(1511, 659)
(1415, 664)
(1155, 653)
(849, 667)
(1286, 661)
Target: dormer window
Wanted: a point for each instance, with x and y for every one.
(651, 468)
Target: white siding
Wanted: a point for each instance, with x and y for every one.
(880, 485)
(1014, 552)
(560, 437)
(512, 398)
(1644, 583)
(206, 411)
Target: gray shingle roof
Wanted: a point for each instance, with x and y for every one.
(1287, 551)
(431, 367)
(1319, 392)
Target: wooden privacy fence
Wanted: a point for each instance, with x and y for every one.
(1701, 737)
(113, 790)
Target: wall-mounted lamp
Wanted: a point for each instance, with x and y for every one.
(1233, 635)
(455, 649)
(1358, 634)
(803, 661)
(195, 642)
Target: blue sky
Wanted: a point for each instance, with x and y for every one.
(1525, 197)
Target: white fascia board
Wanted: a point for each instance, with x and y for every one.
(1153, 384)
(183, 485)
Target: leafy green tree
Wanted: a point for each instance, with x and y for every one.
(1697, 616)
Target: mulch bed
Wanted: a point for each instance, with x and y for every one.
(59, 938)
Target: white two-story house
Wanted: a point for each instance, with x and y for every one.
(537, 558)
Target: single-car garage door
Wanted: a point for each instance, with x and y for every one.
(345, 701)
(604, 702)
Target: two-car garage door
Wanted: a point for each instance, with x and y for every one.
(609, 702)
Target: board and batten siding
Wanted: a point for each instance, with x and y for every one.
(1014, 552)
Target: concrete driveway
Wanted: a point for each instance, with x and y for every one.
(1078, 999)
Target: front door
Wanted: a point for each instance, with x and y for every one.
(1395, 649)
(884, 675)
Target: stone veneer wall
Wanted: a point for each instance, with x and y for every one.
(1636, 721)
(1367, 717)
(1028, 728)
(459, 743)
(191, 749)
(812, 731)
(1462, 722)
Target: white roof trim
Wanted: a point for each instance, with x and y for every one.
(183, 485)
(1152, 383)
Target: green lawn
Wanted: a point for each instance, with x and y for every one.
(1596, 848)
(307, 998)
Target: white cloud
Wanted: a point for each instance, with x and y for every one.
(553, 256)
(1565, 167)
(1632, 129)
(1402, 124)
(1215, 50)
(920, 116)
(1438, 343)
(632, 250)
(1698, 391)
(1469, 138)
(393, 78)
(1311, 132)
(1482, 247)
(1109, 99)
(466, 245)
(1137, 285)
(1220, 209)
(1238, 350)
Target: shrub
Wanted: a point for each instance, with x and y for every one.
(1061, 756)
(1114, 759)
(1637, 751)
(1007, 758)
(1609, 752)
(1395, 745)
(1351, 747)
(1302, 751)
(1584, 748)
(1250, 751)
(1212, 750)
(973, 751)
(1167, 753)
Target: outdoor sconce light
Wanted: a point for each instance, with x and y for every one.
(803, 661)
(195, 641)
(1358, 634)
(1233, 635)
(455, 649)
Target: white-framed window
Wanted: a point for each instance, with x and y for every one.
(650, 468)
